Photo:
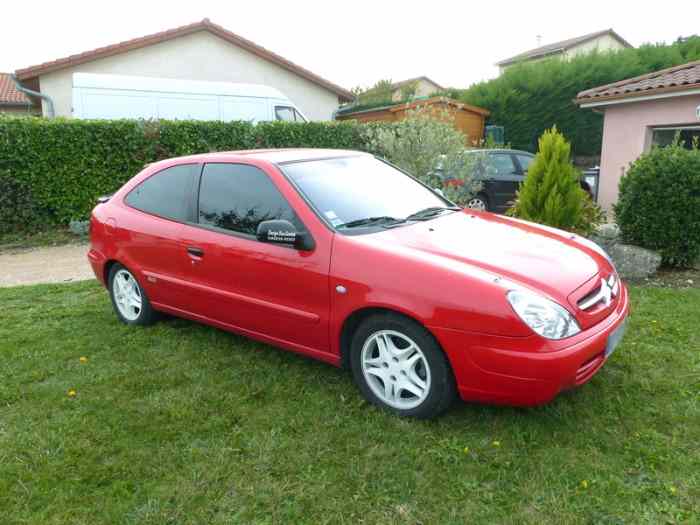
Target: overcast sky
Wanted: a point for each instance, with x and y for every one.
(349, 43)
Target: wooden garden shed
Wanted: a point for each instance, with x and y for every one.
(467, 119)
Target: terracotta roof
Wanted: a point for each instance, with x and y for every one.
(672, 79)
(9, 96)
(204, 25)
(559, 47)
(392, 108)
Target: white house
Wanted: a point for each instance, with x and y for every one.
(601, 41)
(200, 51)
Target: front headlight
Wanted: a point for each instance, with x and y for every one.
(545, 317)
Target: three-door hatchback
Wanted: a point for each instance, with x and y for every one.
(340, 256)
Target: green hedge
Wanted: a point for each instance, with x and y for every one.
(531, 97)
(65, 164)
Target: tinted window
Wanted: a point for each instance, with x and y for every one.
(238, 197)
(165, 193)
(525, 161)
(352, 188)
(502, 164)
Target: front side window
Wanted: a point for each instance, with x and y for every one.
(238, 197)
(525, 161)
(350, 189)
(165, 193)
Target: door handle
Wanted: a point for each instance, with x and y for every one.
(197, 252)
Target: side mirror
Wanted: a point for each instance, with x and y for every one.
(284, 232)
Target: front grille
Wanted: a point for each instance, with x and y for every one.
(605, 293)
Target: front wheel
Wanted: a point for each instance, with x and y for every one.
(399, 366)
(128, 298)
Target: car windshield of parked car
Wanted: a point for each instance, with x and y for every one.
(361, 191)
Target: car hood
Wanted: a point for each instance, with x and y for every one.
(547, 260)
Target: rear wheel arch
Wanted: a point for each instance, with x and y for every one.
(106, 269)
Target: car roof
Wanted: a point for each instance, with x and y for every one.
(501, 150)
(275, 156)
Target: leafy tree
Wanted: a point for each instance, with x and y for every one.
(424, 141)
(531, 97)
(551, 193)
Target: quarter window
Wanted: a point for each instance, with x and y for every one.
(288, 114)
(238, 197)
(165, 193)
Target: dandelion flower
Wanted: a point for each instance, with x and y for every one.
(584, 484)
(466, 450)
(496, 443)
(72, 393)
(672, 489)
(83, 359)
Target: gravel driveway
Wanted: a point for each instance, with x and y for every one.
(54, 264)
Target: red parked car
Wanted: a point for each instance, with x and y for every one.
(340, 256)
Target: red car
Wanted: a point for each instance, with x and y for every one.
(340, 256)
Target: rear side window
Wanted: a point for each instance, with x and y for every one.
(166, 193)
(237, 197)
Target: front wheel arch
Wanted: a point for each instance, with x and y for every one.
(355, 319)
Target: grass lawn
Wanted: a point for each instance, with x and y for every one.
(182, 423)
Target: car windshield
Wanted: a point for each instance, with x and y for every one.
(362, 191)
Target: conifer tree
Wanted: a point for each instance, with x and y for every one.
(551, 193)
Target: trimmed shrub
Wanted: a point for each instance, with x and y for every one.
(659, 204)
(551, 193)
(63, 165)
(19, 211)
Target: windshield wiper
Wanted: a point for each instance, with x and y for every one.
(427, 213)
(368, 221)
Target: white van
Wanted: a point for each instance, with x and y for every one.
(97, 96)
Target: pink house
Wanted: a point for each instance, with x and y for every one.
(640, 112)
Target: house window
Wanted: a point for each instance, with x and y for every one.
(665, 136)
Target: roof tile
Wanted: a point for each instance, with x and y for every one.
(204, 25)
(9, 94)
(684, 76)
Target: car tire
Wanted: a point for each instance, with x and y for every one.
(399, 366)
(479, 202)
(129, 300)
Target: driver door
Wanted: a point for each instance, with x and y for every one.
(273, 290)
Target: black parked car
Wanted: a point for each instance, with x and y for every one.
(501, 171)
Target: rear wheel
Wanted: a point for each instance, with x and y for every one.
(479, 202)
(399, 366)
(128, 298)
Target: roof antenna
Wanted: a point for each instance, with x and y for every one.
(539, 40)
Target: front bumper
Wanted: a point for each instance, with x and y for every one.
(527, 371)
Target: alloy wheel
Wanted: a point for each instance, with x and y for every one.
(127, 295)
(395, 369)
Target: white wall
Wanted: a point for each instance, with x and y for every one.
(601, 44)
(198, 56)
